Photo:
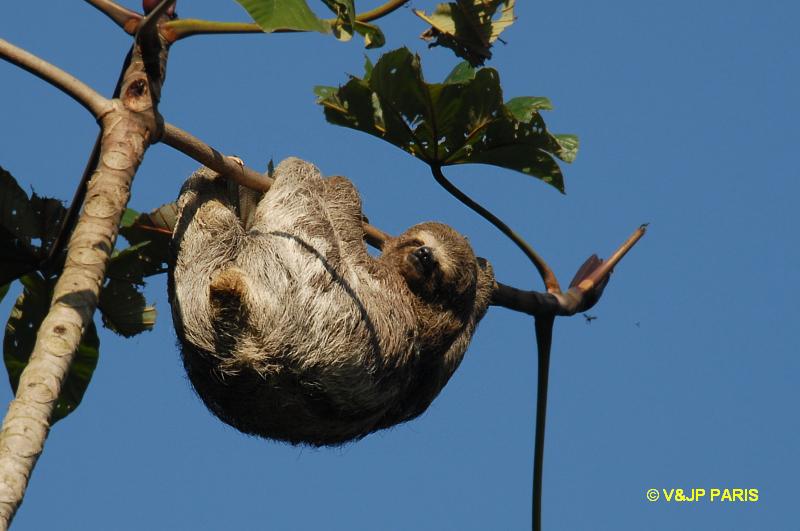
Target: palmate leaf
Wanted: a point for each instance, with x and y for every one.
(28, 227)
(468, 27)
(153, 228)
(462, 120)
(124, 309)
(20, 336)
(122, 304)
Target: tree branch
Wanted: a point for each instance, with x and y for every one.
(129, 124)
(236, 170)
(125, 18)
(584, 292)
(69, 85)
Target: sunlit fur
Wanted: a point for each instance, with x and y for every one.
(290, 330)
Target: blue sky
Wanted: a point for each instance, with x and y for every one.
(687, 114)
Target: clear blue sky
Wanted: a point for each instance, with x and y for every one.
(688, 118)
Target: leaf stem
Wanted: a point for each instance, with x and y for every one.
(544, 340)
(381, 11)
(549, 278)
(181, 28)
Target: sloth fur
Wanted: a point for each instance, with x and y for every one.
(290, 330)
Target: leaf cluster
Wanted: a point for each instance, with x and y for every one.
(459, 121)
(28, 228)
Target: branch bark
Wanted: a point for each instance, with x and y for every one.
(124, 18)
(129, 125)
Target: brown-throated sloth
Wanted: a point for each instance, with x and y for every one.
(290, 330)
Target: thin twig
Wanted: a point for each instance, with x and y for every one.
(125, 18)
(69, 85)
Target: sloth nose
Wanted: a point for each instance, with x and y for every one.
(425, 256)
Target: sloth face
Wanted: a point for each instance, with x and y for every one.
(437, 263)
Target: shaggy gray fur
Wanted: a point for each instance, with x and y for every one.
(290, 330)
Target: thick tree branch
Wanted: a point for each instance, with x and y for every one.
(69, 85)
(125, 18)
(129, 125)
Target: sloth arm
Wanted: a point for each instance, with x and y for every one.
(344, 211)
(206, 240)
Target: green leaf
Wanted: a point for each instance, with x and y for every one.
(124, 309)
(460, 121)
(373, 36)
(26, 317)
(155, 229)
(16, 213)
(567, 147)
(136, 262)
(128, 218)
(468, 27)
(284, 14)
(345, 11)
(462, 73)
(324, 92)
(122, 305)
(368, 66)
(524, 107)
(28, 227)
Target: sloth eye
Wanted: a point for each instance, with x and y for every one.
(424, 255)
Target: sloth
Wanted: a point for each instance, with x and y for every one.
(289, 329)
